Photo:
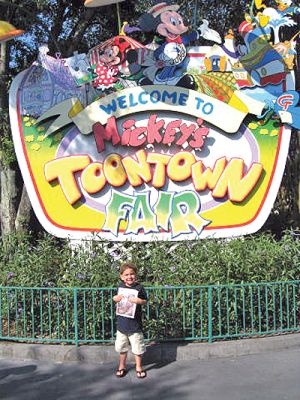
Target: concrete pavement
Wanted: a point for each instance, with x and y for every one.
(269, 375)
(156, 352)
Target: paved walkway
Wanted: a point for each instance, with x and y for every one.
(266, 376)
(165, 352)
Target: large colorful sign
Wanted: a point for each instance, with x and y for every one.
(159, 142)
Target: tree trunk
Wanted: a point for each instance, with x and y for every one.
(7, 174)
(8, 201)
(24, 213)
(9, 189)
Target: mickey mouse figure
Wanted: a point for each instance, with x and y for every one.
(169, 60)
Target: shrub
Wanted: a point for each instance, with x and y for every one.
(49, 262)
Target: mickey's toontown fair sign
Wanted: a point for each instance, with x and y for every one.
(163, 141)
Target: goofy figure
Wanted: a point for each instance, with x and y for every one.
(167, 64)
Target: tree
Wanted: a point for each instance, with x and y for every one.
(67, 26)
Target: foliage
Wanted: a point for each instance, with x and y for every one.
(48, 262)
(76, 312)
(7, 153)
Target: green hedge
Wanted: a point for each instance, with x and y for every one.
(46, 261)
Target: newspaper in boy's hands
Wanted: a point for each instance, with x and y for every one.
(125, 308)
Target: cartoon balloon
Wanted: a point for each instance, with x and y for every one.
(100, 3)
(8, 31)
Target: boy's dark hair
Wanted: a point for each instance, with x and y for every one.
(125, 266)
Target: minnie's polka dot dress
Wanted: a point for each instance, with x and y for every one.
(106, 76)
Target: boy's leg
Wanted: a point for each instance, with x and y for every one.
(140, 373)
(122, 347)
(122, 363)
(138, 362)
(138, 349)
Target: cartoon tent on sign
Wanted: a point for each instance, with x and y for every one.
(8, 31)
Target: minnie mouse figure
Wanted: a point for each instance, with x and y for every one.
(108, 67)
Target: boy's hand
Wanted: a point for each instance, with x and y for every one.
(137, 300)
(118, 297)
(133, 300)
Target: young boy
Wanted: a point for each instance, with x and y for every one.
(131, 296)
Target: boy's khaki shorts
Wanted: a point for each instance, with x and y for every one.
(136, 340)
